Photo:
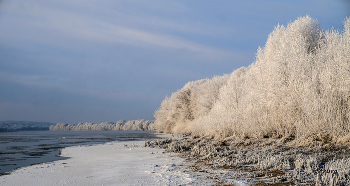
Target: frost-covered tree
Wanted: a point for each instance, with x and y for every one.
(299, 86)
(194, 100)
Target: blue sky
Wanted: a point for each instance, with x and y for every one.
(105, 60)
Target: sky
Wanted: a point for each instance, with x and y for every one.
(76, 61)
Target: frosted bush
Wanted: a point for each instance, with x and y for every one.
(297, 87)
(194, 100)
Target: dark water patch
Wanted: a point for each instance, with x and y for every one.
(40, 153)
(8, 152)
(17, 159)
(50, 148)
(16, 148)
(1, 165)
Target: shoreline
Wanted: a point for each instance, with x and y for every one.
(263, 161)
(25, 148)
(112, 163)
(192, 160)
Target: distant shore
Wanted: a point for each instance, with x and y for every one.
(14, 126)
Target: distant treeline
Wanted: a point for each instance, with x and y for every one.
(120, 125)
(12, 126)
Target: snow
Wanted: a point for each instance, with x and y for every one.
(114, 163)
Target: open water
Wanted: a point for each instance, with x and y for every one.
(24, 148)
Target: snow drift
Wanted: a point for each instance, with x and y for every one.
(298, 87)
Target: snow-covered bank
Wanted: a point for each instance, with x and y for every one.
(263, 161)
(114, 163)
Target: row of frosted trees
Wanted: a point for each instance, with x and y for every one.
(120, 125)
(299, 86)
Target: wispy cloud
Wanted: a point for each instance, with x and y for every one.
(61, 27)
